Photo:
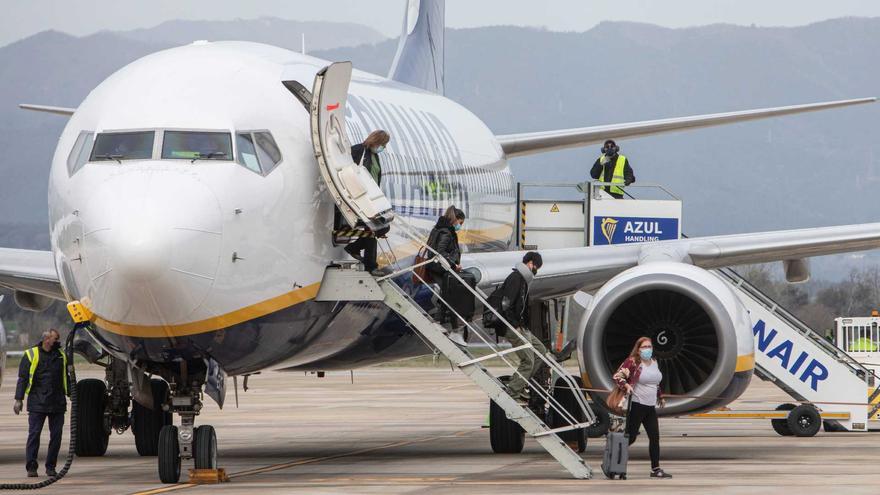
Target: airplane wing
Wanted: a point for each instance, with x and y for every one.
(31, 271)
(586, 268)
(48, 109)
(538, 142)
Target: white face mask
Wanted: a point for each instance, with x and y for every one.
(377, 149)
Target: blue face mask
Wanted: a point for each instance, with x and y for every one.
(646, 353)
(457, 226)
(378, 149)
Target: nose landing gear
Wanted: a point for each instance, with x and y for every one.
(186, 442)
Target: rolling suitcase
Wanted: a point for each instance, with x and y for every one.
(616, 453)
(459, 298)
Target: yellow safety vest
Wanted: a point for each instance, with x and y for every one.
(33, 354)
(617, 177)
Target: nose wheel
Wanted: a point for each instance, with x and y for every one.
(184, 442)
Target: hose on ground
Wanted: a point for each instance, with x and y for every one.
(71, 451)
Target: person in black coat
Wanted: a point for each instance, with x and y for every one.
(366, 155)
(515, 306)
(444, 239)
(46, 387)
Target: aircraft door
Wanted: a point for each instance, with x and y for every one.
(353, 189)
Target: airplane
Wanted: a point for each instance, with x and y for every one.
(192, 206)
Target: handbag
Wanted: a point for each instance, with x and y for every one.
(616, 400)
(421, 274)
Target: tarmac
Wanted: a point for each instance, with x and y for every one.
(420, 430)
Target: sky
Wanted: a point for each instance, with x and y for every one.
(22, 18)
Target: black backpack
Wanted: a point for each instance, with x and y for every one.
(490, 320)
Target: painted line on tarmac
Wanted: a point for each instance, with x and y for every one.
(308, 460)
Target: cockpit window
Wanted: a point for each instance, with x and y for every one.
(120, 146)
(247, 154)
(193, 145)
(257, 151)
(79, 155)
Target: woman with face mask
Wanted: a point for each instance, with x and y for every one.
(639, 376)
(366, 155)
(444, 240)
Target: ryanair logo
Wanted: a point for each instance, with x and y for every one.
(609, 225)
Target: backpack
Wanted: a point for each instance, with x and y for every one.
(501, 304)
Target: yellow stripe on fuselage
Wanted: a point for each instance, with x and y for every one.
(216, 323)
(269, 306)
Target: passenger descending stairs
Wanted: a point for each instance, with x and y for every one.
(341, 283)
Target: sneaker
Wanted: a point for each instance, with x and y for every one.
(659, 473)
(50, 472)
(380, 272)
(522, 396)
(457, 337)
(32, 473)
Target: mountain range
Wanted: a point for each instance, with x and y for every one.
(793, 172)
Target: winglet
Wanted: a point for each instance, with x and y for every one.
(45, 108)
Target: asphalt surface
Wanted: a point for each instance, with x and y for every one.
(419, 430)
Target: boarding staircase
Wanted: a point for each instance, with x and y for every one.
(340, 284)
(848, 383)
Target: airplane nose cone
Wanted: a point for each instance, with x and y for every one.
(141, 249)
(151, 247)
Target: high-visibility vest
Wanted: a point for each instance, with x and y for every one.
(33, 354)
(617, 176)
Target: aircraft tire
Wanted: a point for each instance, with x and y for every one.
(91, 436)
(780, 426)
(505, 435)
(804, 421)
(577, 439)
(603, 421)
(147, 423)
(169, 455)
(206, 447)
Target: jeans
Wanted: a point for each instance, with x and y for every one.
(645, 415)
(35, 428)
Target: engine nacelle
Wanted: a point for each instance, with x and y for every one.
(701, 332)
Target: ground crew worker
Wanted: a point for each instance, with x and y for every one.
(516, 302)
(366, 155)
(612, 167)
(42, 376)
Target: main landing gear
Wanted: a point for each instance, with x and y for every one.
(176, 444)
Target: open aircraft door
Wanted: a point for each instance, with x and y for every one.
(356, 193)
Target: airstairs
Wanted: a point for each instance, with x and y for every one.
(804, 364)
(788, 353)
(346, 283)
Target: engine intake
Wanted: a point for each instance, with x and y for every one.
(697, 325)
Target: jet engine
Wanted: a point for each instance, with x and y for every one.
(701, 333)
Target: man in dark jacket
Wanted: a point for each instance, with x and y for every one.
(42, 376)
(612, 167)
(516, 311)
(366, 155)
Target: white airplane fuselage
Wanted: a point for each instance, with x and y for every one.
(185, 259)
